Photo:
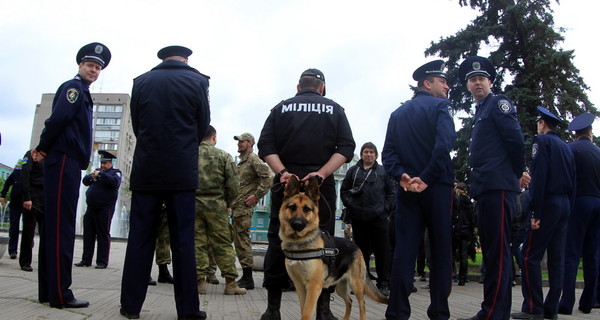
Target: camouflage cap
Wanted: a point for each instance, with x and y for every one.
(244, 137)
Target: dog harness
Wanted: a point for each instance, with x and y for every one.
(327, 254)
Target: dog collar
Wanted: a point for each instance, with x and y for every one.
(311, 254)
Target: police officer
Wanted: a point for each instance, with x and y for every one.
(32, 182)
(497, 159)
(583, 228)
(169, 114)
(101, 197)
(306, 135)
(218, 187)
(552, 192)
(425, 177)
(15, 207)
(255, 181)
(65, 147)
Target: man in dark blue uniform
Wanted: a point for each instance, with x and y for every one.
(583, 228)
(65, 147)
(169, 113)
(32, 181)
(416, 154)
(497, 158)
(101, 198)
(552, 192)
(15, 207)
(307, 135)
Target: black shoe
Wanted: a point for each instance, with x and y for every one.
(201, 315)
(76, 304)
(151, 282)
(461, 283)
(414, 289)
(384, 288)
(563, 310)
(27, 268)
(586, 311)
(129, 315)
(13, 256)
(550, 316)
(273, 305)
(164, 276)
(82, 264)
(525, 315)
(100, 267)
(246, 281)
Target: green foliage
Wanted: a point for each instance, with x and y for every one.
(532, 70)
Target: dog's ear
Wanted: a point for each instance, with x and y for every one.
(292, 187)
(312, 191)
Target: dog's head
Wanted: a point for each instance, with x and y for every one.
(299, 213)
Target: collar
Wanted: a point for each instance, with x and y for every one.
(423, 92)
(311, 254)
(245, 157)
(307, 92)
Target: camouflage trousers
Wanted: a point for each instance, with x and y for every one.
(163, 244)
(213, 229)
(241, 239)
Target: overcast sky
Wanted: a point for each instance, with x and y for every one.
(254, 52)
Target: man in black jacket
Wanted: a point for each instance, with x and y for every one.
(169, 114)
(15, 207)
(368, 194)
(101, 198)
(32, 180)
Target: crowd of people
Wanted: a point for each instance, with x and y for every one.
(192, 204)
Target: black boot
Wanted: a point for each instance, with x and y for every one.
(246, 281)
(163, 274)
(323, 311)
(273, 305)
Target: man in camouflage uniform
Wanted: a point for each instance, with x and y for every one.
(218, 187)
(163, 249)
(255, 181)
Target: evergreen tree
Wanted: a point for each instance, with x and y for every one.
(520, 39)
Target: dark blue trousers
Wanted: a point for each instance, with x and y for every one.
(15, 211)
(495, 210)
(549, 237)
(415, 212)
(583, 240)
(62, 176)
(143, 229)
(96, 227)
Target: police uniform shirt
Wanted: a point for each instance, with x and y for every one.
(587, 162)
(104, 189)
(497, 146)
(552, 170)
(69, 128)
(412, 147)
(309, 125)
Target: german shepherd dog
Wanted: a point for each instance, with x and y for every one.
(315, 260)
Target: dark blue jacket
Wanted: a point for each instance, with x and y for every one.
(16, 193)
(420, 136)
(170, 113)
(552, 171)
(104, 190)
(497, 147)
(309, 125)
(69, 128)
(587, 162)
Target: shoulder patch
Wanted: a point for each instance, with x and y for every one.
(534, 150)
(504, 106)
(72, 95)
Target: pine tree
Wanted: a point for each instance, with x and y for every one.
(532, 69)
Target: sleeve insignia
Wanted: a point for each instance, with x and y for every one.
(72, 95)
(504, 106)
(534, 150)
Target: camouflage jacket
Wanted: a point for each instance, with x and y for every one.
(218, 181)
(255, 178)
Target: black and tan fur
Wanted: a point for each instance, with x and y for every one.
(299, 230)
